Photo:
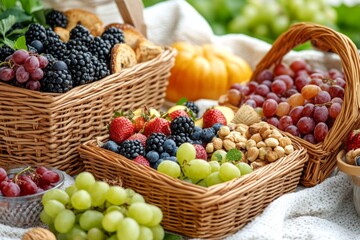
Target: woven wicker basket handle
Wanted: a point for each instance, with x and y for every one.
(132, 12)
(338, 43)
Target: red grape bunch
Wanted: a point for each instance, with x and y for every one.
(26, 68)
(27, 181)
(295, 98)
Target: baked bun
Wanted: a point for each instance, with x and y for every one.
(131, 35)
(146, 51)
(122, 56)
(88, 19)
(63, 33)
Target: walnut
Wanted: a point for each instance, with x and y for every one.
(256, 137)
(284, 141)
(209, 147)
(264, 129)
(217, 143)
(260, 144)
(241, 128)
(252, 154)
(228, 144)
(223, 131)
(38, 233)
(289, 149)
(271, 142)
(280, 151)
(250, 143)
(271, 156)
(253, 129)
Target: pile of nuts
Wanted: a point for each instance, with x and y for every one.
(259, 143)
(352, 156)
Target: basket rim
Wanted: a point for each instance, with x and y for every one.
(164, 57)
(242, 184)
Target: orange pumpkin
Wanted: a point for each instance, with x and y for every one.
(204, 72)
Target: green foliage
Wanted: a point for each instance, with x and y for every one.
(23, 12)
(348, 22)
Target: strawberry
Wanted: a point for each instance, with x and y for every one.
(212, 116)
(200, 152)
(353, 140)
(139, 136)
(120, 129)
(157, 125)
(177, 113)
(142, 160)
(139, 123)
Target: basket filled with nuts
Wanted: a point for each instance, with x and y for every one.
(72, 74)
(314, 102)
(209, 177)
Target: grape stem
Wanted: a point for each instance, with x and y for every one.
(15, 180)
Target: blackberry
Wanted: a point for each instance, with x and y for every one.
(155, 142)
(131, 149)
(182, 124)
(193, 107)
(57, 48)
(101, 49)
(180, 138)
(113, 35)
(35, 32)
(81, 67)
(5, 51)
(100, 68)
(56, 19)
(57, 78)
(76, 44)
(50, 34)
(82, 33)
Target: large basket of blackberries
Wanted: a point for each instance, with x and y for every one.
(316, 103)
(68, 79)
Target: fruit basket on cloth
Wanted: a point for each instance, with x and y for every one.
(193, 210)
(322, 155)
(39, 128)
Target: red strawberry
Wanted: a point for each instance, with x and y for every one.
(120, 129)
(212, 116)
(177, 113)
(139, 136)
(139, 123)
(353, 140)
(200, 152)
(142, 160)
(157, 125)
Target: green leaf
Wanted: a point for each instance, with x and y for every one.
(6, 4)
(233, 155)
(18, 31)
(40, 17)
(171, 236)
(8, 42)
(6, 24)
(181, 101)
(31, 6)
(19, 14)
(20, 43)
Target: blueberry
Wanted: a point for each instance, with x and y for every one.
(169, 145)
(198, 142)
(59, 66)
(152, 156)
(111, 145)
(173, 153)
(217, 127)
(357, 161)
(174, 159)
(207, 134)
(37, 45)
(196, 135)
(156, 164)
(164, 155)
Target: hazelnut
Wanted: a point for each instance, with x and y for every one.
(250, 143)
(289, 149)
(266, 133)
(258, 164)
(253, 129)
(261, 144)
(271, 156)
(209, 147)
(280, 151)
(256, 137)
(271, 142)
(228, 144)
(284, 141)
(223, 131)
(262, 153)
(240, 145)
(252, 154)
(275, 134)
(217, 143)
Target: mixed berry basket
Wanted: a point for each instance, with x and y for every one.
(45, 128)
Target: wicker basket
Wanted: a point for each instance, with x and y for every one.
(195, 211)
(322, 156)
(45, 128)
